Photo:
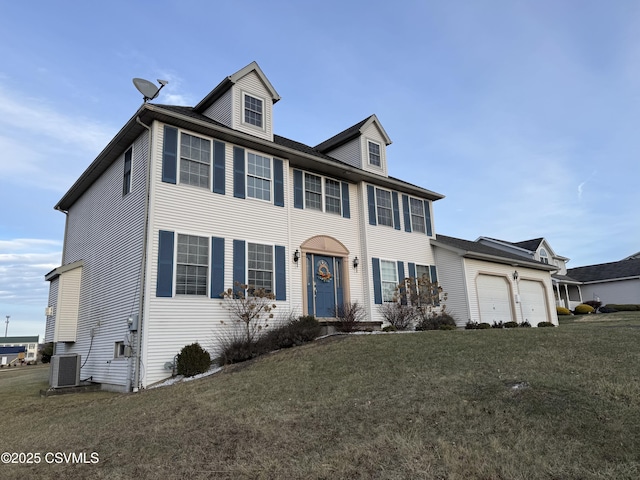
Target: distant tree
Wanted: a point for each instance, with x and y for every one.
(45, 352)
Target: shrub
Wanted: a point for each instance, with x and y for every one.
(193, 360)
(471, 325)
(46, 352)
(563, 311)
(389, 328)
(348, 315)
(607, 309)
(439, 321)
(510, 324)
(290, 334)
(545, 324)
(593, 303)
(397, 315)
(497, 324)
(250, 307)
(484, 326)
(583, 309)
(623, 307)
(525, 324)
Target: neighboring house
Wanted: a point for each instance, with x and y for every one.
(567, 290)
(30, 345)
(487, 284)
(610, 283)
(185, 201)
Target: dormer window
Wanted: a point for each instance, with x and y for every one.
(253, 110)
(374, 153)
(543, 256)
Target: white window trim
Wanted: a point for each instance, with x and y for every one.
(424, 216)
(273, 261)
(375, 198)
(130, 170)
(244, 122)
(116, 350)
(323, 188)
(246, 176)
(175, 267)
(178, 172)
(373, 165)
(382, 282)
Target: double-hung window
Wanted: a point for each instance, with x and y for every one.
(253, 113)
(195, 160)
(258, 177)
(126, 178)
(388, 279)
(417, 215)
(384, 207)
(332, 198)
(313, 191)
(192, 265)
(260, 262)
(374, 153)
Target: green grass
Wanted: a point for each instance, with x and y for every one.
(422, 405)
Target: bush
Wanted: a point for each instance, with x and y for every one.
(389, 328)
(348, 315)
(623, 307)
(471, 325)
(525, 324)
(397, 315)
(497, 324)
(510, 324)
(193, 360)
(593, 303)
(563, 311)
(46, 352)
(291, 334)
(607, 309)
(545, 324)
(583, 309)
(439, 321)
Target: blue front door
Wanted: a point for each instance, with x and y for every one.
(325, 292)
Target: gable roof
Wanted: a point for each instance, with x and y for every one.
(531, 245)
(231, 80)
(624, 269)
(351, 133)
(481, 251)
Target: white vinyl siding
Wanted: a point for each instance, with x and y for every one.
(252, 85)
(221, 110)
(66, 325)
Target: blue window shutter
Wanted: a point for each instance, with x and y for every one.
(412, 270)
(278, 183)
(238, 172)
(298, 193)
(164, 284)
(281, 273)
(407, 214)
(377, 282)
(346, 207)
(401, 277)
(396, 211)
(218, 167)
(170, 155)
(427, 217)
(239, 269)
(371, 200)
(434, 279)
(217, 267)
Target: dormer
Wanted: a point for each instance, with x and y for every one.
(244, 101)
(364, 145)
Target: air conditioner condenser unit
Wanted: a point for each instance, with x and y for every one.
(64, 370)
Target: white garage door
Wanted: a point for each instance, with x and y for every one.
(534, 306)
(494, 299)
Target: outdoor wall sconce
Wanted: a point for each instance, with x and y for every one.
(356, 262)
(515, 275)
(296, 255)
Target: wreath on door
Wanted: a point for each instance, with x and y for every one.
(323, 271)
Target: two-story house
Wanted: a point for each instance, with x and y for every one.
(185, 201)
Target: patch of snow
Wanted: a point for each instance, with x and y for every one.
(182, 378)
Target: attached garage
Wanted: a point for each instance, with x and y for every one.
(533, 302)
(494, 298)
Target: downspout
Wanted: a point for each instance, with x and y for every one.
(143, 259)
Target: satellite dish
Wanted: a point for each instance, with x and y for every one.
(148, 90)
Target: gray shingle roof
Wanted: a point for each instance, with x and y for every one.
(606, 271)
(342, 137)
